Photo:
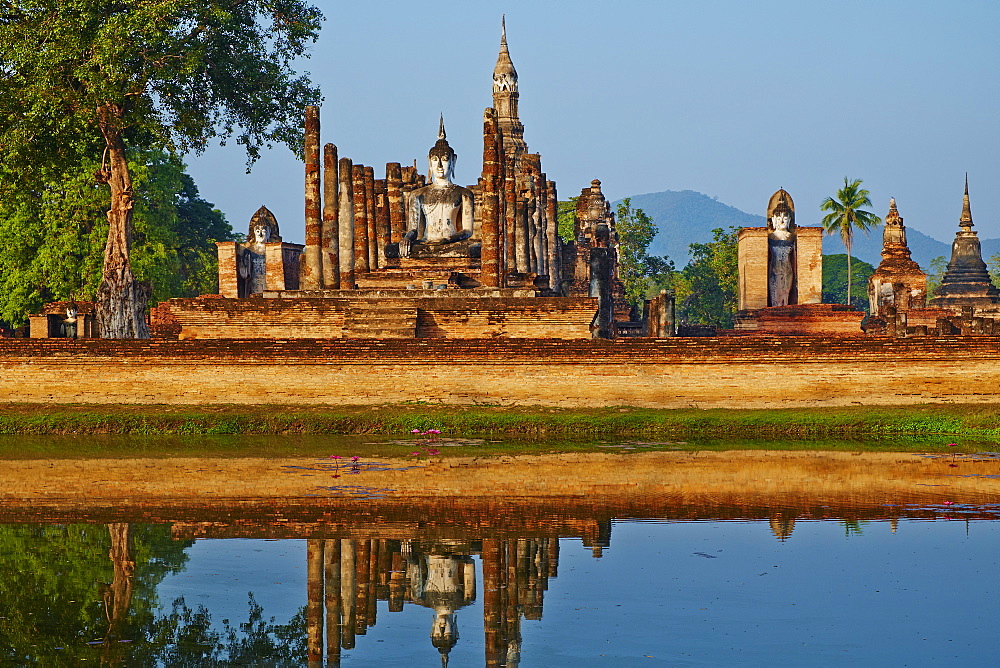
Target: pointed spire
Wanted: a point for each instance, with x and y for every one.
(441, 132)
(893, 216)
(966, 219)
(505, 66)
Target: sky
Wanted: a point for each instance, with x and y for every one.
(729, 98)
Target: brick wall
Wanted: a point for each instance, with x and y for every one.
(384, 317)
(751, 372)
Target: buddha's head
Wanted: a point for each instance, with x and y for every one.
(263, 227)
(782, 216)
(441, 158)
(261, 233)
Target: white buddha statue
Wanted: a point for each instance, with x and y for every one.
(781, 256)
(252, 260)
(440, 213)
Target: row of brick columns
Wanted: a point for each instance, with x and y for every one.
(351, 216)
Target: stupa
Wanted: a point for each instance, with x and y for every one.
(966, 281)
(898, 282)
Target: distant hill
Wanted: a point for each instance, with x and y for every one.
(685, 217)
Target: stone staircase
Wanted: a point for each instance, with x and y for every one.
(374, 320)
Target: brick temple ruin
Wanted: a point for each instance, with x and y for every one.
(414, 255)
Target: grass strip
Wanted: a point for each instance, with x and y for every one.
(979, 420)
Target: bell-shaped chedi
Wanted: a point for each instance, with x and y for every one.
(966, 282)
(898, 282)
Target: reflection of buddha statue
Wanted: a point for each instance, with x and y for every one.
(252, 264)
(444, 582)
(439, 214)
(781, 253)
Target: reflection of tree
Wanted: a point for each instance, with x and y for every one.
(87, 593)
(117, 596)
(186, 637)
(52, 592)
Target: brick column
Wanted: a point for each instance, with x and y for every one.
(489, 203)
(552, 232)
(330, 233)
(361, 265)
(312, 269)
(346, 224)
(394, 189)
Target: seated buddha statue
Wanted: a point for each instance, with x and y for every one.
(439, 216)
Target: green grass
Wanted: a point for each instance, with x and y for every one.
(978, 420)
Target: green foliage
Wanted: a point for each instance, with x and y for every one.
(706, 290)
(993, 265)
(835, 280)
(52, 600)
(639, 272)
(846, 215)
(935, 273)
(94, 79)
(50, 592)
(56, 231)
(566, 217)
(182, 72)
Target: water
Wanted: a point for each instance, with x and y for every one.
(908, 584)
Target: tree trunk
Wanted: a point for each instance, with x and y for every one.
(848, 244)
(121, 298)
(118, 595)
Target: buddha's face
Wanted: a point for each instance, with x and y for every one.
(781, 221)
(440, 167)
(261, 234)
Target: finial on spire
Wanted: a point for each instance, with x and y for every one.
(966, 219)
(503, 28)
(893, 217)
(441, 133)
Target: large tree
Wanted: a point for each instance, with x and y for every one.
(846, 215)
(54, 235)
(637, 270)
(707, 286)
(103, 75)
(835, 280)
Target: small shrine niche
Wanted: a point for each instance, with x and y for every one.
(781, 264)
(263, 262)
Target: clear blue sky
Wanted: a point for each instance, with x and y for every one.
(733, 99)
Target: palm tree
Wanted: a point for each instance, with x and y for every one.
(846, 214)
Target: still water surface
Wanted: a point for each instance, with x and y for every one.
(907, 585)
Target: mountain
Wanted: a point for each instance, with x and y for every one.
(685, 217)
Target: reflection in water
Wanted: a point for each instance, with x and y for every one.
(681, 584)
(347, 577)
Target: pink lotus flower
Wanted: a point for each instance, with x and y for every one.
(334, 456)
(432, 451)
(415, 431)
(948, 503)
(354, 459)
(952, 445)
(415, 454)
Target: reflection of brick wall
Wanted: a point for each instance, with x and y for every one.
(737, 372)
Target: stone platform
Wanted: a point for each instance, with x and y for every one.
(801, 320)
(378, 314)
